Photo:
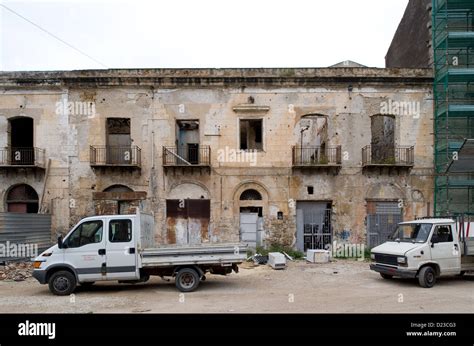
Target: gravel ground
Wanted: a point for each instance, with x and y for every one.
(339, 286)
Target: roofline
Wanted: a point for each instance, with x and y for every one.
(209, 77)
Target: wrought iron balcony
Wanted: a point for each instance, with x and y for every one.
(402, 156)
(22, 157)
(316, 156)
(115, 156)
(187, 156)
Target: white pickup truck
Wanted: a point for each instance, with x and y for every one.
(121, 248)
(426, 249)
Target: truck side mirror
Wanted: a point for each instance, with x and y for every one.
(434, 240)
(60, 242)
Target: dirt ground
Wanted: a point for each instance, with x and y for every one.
(340, 286)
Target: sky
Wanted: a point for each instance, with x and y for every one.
(194, 34)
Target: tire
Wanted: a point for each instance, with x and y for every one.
(427, 277)
(386, 276)
(187, 280)
(62, 283)
(461, 274)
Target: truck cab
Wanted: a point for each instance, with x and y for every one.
(96, 249)
(425, 249)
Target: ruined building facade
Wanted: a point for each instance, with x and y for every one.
(296, 157)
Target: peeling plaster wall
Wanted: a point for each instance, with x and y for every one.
(153, 111)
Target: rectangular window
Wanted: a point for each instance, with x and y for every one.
(89, 232)
(442, 234)
(251, 135)
(120, 231)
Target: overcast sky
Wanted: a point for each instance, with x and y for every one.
(196, 33)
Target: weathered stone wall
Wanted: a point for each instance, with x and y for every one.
(280, 97)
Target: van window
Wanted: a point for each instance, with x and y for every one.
(89, 232)
(443, 234)
(120, 231)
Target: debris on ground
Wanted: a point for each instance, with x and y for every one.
(287, 256)
(260, 259)
(277, 260)
(16, 271)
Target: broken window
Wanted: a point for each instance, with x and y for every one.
(251, 134)
(187, 141)
(21, 141)
(22, 199)
(251, 195)
(119, 141)
(383, 138)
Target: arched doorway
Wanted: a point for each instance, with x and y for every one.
(188, 214)
(22, 199)
(251, 209)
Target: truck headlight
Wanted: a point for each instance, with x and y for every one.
(402, 260)
(372, 256)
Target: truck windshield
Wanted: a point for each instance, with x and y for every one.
(413, 232)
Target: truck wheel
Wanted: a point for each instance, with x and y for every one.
(62, 283)
(386, 276)
(427, 277)
(187, 280)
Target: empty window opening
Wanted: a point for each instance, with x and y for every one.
(312, 132)
(22, 199)
(383, 138)
(280, 215)
(251, 194)
(187, 141)
(251, 134)
(119, 141)
(21, 141)
(310, 190)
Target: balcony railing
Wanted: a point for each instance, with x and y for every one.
(187, 156)
(316, 156)
(384, 156)
(115, 156)
(22, 157)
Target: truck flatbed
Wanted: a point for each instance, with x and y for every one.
(223, 254)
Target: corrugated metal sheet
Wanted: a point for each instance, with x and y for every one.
(19, 228)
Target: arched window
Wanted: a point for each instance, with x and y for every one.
(251, 194)
(118, 188)
(22, 199)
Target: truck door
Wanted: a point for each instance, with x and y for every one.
(121, 250)
(445, 249)
(85, 250)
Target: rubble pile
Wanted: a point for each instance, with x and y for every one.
(15, 271)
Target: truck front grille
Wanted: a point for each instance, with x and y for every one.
(386, 259)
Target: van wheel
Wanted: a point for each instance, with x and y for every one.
(62, 283)
(427, 277)
(187, 280)
(386, 276)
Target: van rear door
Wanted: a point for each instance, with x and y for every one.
(121, 249)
